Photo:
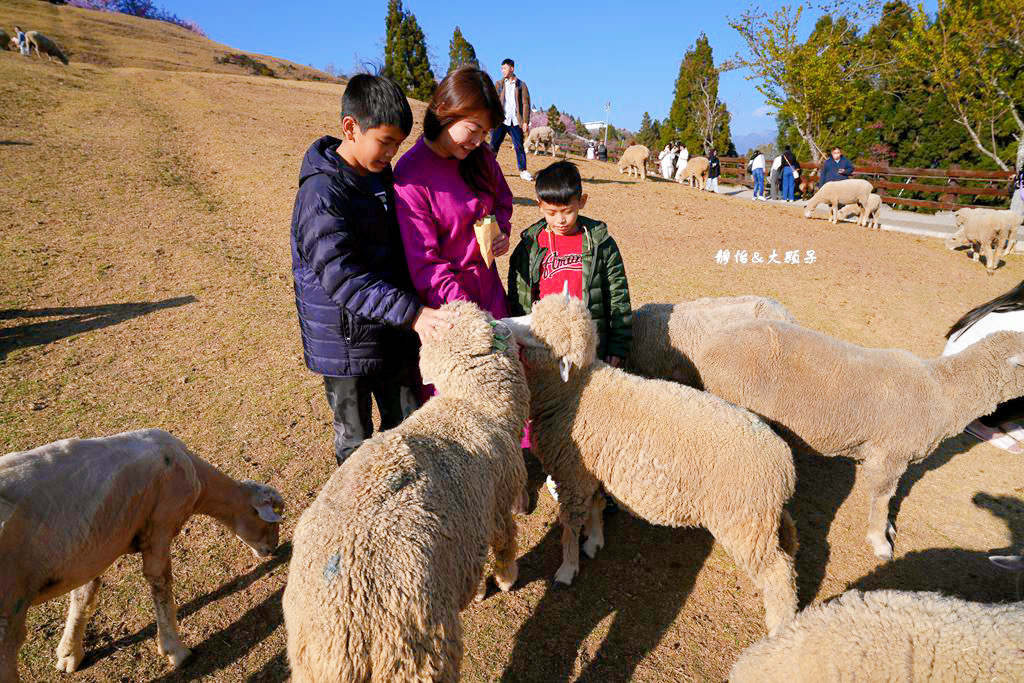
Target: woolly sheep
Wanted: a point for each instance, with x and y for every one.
(891, 635)
(868, 215)
(695, 172)
(70, 508)
(885, 408)
(665, 336)
(541, 135)
(987, 231)
(394, 545)
(677, 457)
(849, 191)
(44, 46)
(634, 159)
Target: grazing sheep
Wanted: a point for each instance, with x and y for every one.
(665, 336)
(868, 215)
(634, 159)
(677, 457)
(885, 408)
(44, 46)
(988, 232)
(394, 545)
(849, 191)
(695, 173)
(541, 135)
(72, 507)
(891, 635)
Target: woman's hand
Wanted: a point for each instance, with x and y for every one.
(430, 320)
(500, 245)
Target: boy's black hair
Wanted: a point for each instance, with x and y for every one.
(559, 184)
(376, 101)
(508, 60)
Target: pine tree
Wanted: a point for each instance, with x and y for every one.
(697, 117)
(647, 135)
(460, 51)
(555, 120)
(405, 57)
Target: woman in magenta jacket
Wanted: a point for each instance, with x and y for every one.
(443, 185)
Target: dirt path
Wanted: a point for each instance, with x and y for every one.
(146, 282)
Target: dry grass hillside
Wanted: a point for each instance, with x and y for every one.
(146, 282)
(113, 40)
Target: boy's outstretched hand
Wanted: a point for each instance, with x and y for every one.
(430, 320)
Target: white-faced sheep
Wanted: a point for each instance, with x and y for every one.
(665, 336)
(837, 192)
(72, 507)
(394, 546)
(885, 408)
(541, 135)
(868, 215)
(988, 232)
(891, 635)
(634, 160)
(677, 457)
(695, 173)
(44, 46)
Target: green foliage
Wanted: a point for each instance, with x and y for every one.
(555, 120)
(460, 51)
(697, 117)
(405, 53)
(649, 133)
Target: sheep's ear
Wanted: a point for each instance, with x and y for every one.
(1017, 360)
(269, 513)
(1013, 563)
(563, 368)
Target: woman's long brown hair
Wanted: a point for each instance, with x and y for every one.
(465, 92)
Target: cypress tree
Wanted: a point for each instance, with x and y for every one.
(405, 57)
(555, 120)
(460, 51)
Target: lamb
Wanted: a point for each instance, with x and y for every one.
(885, 408)
(849, 191)
(988, 232)
(394, 545)
(634, 159)
(695, 172)
(44, 46)
(665, 336)
(892, 635)
(677, 457)
(70, 508)
(868, 214)
(541, 135)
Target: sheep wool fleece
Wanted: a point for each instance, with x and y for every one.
(891, 635)
(394, 545)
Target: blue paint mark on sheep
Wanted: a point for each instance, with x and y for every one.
(332, 567)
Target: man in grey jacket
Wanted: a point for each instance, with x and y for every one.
(515, 98)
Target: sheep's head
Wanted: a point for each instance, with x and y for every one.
(475, 357)
(558, 332)
(258, 518)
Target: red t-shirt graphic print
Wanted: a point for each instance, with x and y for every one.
(563, 263)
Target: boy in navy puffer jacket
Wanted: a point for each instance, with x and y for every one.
(357, 308)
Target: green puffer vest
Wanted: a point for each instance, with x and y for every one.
(605, 290)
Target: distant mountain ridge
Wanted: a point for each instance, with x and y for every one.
(751, 140)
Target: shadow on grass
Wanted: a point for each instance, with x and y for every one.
(523, 201)
(608, 181)
(14, 142)
(228, 648)
(72, 321)
(642, 577)
(955, 571)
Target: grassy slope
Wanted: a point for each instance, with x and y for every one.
(143, 234)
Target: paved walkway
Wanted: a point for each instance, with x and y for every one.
(938, 225)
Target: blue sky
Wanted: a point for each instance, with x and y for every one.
(576, 55)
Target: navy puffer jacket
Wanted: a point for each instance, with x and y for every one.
(353, 293)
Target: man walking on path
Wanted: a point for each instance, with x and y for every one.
(515, 98)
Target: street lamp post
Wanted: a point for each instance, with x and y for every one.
(607, 109)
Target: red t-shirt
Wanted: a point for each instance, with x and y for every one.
(563, 263)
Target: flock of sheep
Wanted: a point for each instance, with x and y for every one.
(395, 544)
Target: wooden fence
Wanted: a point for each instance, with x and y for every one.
(898, 186)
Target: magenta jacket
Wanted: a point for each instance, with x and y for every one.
(436, 212)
